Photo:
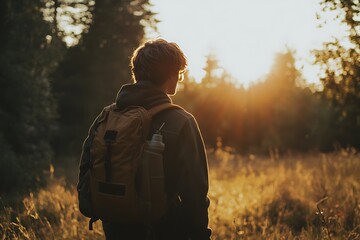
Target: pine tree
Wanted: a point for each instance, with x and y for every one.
(341, 67)
(29, 53)
(210, 80)
(94, 70)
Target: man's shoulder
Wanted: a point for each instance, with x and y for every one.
(181, 113)
(175, 118)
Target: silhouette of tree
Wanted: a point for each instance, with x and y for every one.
(274, 114)
(210, 79)
(272, 105)
(93, 71)
(70, 19)
(341, 67)
(29, 53)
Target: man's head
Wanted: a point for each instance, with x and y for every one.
(158, 61)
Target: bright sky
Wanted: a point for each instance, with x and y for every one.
(244, 35)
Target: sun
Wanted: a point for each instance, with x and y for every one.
(244, 35)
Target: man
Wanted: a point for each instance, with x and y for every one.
(157, 66)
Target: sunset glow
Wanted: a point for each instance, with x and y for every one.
(245, 35)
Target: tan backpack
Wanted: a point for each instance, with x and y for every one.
(119, 178)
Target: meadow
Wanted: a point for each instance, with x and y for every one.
(313, 196)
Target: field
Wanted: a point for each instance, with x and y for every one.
(291, 197)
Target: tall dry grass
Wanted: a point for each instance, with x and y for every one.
(257, 198)
(252, 198)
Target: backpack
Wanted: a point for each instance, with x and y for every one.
(116, 187)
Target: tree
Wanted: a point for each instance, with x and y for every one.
(282, 114)
(278, 113)
(93, 71)
(29, 53)
(341, 79)
(70, 18)
(211, 68)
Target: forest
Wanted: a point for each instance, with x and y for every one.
(62, 61)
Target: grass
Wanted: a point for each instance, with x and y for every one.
(294, 197)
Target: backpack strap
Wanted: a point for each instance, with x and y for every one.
(161, 107)
(152, 112)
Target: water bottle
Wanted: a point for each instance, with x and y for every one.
(154, 176)
(155, 148)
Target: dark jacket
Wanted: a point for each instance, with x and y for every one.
(185, 166)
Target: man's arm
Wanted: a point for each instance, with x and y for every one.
(193, 182)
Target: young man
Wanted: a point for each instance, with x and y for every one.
(157, 66)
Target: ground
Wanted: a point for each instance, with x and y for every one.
(315, 196)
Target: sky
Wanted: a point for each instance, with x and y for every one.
(245, 35)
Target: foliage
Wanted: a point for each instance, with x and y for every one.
(251, 198)
(257, 198)
(29, 53)
(51, 213)
(340, 61)
(288, 211)
(94, 70)
(277, 113)
(70, 18)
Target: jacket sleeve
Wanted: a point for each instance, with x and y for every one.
(193, 182)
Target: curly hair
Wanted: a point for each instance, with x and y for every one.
(156, 60)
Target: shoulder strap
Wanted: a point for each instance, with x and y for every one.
(152, 111)
(161, 107)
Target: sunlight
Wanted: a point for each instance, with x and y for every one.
(244, 35)
(70, 41)
(71, 21)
